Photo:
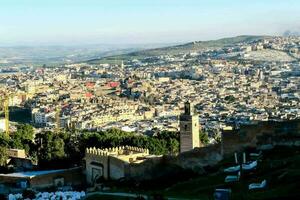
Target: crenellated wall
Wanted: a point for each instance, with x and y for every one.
(112, 163)
(116, 151)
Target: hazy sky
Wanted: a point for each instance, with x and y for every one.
(141, 21)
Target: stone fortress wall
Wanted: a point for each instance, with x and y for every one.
(137, 163)
(112, 163)
(260, 134)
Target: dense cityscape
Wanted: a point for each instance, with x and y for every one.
(242, 84)
(149, 100)
(228, 85)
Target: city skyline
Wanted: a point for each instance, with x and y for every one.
(149, 99)
(141, 22)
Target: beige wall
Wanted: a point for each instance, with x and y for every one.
(101, 160)
(113, 162)
(17, 153)
(189, 132)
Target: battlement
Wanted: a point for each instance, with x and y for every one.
(116, 151)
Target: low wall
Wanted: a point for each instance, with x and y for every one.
(252, 135)
(193, 160)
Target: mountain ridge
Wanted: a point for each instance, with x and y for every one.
(178, 49)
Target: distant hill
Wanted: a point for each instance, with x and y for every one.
(57, 55)
(184, 48)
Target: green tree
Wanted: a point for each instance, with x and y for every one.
(23, 137)
(174, 146)
(4, 140)
(69, 149)
(72, 147)
(4, 144)
(3, 156)
(203, 137)
(26, 131)
(57, 151)
(163, 143)
(50, 146)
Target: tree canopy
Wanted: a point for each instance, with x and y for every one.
(203, 137)
(163, 143)
(66, 149)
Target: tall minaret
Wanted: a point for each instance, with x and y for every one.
(189, 129)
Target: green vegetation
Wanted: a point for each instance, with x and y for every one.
(279, 166)
(21, 139)
(163, 143)
(51, 146)
(203, 137)
(3, 155)
(173, 50)
(65, 149)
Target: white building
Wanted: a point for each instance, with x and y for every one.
(2, 125)
(42, 118)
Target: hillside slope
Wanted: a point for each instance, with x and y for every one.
(280, 167)
(184, 48)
